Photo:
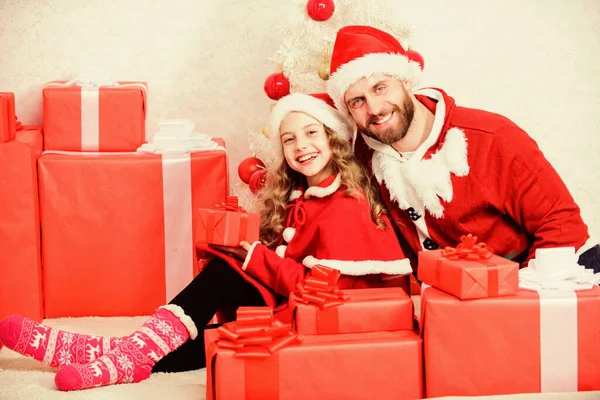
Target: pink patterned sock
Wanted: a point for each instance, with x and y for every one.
(49, 345)
(133, 358)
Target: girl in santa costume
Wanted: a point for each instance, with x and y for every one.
(318, 209)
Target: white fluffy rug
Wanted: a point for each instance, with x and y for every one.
(26, 379)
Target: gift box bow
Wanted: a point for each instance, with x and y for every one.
(468, 249)
(321, 288)
(230, 204)
(256, 333)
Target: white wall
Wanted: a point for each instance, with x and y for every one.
(535, 61)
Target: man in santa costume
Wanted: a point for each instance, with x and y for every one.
(445, 170)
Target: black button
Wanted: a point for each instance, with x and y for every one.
(429, 244)
(413, 214)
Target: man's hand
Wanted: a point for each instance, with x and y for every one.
(239, 252)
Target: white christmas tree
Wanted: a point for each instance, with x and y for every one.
(304, 55)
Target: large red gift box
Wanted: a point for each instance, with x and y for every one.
(20, 267)
(94, 118)
(7, 117)
(118, 228)
(227, 224)
(470, 271)
(319, 308)
(376, 365)
(532, 342)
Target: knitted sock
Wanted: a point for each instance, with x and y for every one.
(49, 345)
(133, 357)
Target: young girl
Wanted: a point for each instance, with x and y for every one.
(318, 209)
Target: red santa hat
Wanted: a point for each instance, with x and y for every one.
(361, 52)
(317, 105)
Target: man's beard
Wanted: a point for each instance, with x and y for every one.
(393, 133)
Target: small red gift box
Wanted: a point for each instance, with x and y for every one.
(319, 308)
(257, 357)
(227, 224)
(532, 342)
(20, 257)
(469, 271)
(85, 117)
(8, 121)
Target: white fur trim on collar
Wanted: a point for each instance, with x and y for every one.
(359, 268)
(422, 183)
(309, 105)
(295, 194)
(184, 318)
(318, 191)
(391, 64)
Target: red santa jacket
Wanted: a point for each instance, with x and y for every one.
(324, 227)
(327, 227)
(477, 173)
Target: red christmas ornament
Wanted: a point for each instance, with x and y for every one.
(258, 180)
(416, 57)
(277, 86)
(249, 166)
(320, 10)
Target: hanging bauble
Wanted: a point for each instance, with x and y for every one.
(277, 86)
(320, 10)
(258, 180)
(324, 70)
(249, 166)
(265, 131)
(416, 57)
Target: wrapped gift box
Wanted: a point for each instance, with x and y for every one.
(319, 308)
(20, 267)
(470, 271)
(530, 342)
(377, 365)
(227, 224)
(118, 227)
(8, 121)
(94, 118)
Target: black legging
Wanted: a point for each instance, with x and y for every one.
(217, 286)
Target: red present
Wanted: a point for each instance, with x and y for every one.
(469, 271)
(118, 228)
(94, 118)
(530, 342)
(20, 266)
(227, 224)
(8, 121)
(245, 363)
(319, 308)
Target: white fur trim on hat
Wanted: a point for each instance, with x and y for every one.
(392, 64)
(309, 105)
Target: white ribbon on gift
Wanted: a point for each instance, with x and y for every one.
(90, 81)
(555, 275)
(177, 136)
(177, 217)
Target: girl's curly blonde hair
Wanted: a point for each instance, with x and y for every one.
(282, 180)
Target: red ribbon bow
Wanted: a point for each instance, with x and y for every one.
(321, 288)
(256, 333)
(468, 249)
(231, 204)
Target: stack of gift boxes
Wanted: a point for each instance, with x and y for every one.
(342, 344)
(115, 214)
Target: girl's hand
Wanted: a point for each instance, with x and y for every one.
(238, 252)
